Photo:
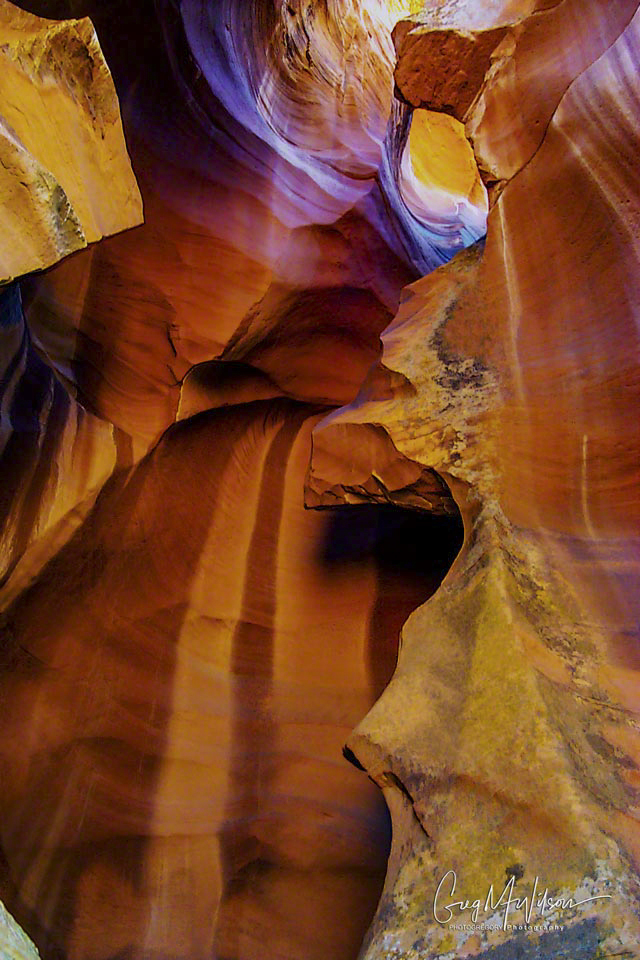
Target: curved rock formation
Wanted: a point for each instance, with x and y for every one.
(65, 181)
(60, 132)
(254, 230)
(513, 374)
(182, 721)
(186, 651)
(182, 712)
(54, 456)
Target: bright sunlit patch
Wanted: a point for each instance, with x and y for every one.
(390, 11)
(441, 156)
(404, 8)
(439, 178)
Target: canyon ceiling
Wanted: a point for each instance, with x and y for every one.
(319, 510)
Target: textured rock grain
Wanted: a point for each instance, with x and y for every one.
(14, 943)
(513, 373)
(60, 131)
(185, 652)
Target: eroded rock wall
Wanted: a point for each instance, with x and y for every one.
(14, 943)
(185, 654)
(513, 373)
(60, 134)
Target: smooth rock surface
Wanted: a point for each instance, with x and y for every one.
(513, 373)
(182, 715)
(181, 788)
(185, 652)
(54, 456)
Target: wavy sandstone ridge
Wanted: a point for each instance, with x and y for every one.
(186, 743)
(185, 647)
(513, 374)
(185, 655)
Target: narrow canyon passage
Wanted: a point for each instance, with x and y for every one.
(183, 677)
(344, 250)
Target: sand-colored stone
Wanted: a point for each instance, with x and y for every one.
(183, 713)
(509, 373)
(60, 131)
(14, 943)
(185, 653)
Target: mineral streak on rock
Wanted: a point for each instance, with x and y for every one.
(60, 131)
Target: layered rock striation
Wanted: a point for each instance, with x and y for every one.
(511, 373)
(185, 648)
(180, 787)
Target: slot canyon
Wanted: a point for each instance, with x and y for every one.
(320, 491)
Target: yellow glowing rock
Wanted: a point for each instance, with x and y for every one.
(65, 176)
(404, 8)
(442, 158)
(439, 180)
